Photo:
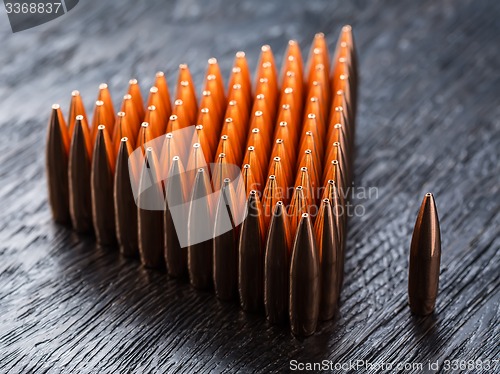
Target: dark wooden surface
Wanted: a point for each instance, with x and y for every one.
(428, 120)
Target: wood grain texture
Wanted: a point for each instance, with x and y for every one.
(428, 120)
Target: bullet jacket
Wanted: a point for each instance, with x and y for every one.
(425, 258)
(304, 281)
(226, 245)
(101, 184)
(150, 202)
(277, 266)
(175, 256)
(125, 207)
(80, 202)
(56, 162)
(200, 231)
(251, 256)
(329, 255)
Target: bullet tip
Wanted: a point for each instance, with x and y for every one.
(124, 139)
(103, 86)
(101, 127)
(79, 117)
(75, 93)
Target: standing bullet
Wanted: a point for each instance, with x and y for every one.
(277, 266)
(200, 232)
(101, 184)
(251, 256)
(125, 207)
(175, 256)
(329, 255)
(304, 281)
(80, 153)
(425, 257)
(226, 245)
(150, 202)
(57, 166)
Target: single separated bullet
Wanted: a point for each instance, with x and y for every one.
(329, 255)
(80, 153)
(56, 161)
(304, 280)
(200, 232)
(226, 245)
(125, 207)
(101, 185)
(251, 256)
(425, 257)
(277, 266)
(150, 202)
(175, 256)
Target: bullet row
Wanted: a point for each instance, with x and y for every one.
(243, 191)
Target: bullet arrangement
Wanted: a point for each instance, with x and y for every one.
(291, 136)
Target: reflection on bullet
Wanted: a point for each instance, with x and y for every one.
(251, 256)
(277, 266)
(56, 162)
(304, 281)
(425, 258)
(125, 208)
(101, 182)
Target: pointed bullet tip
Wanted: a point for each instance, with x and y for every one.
(101, 127)
(56, 106)
(103, 86)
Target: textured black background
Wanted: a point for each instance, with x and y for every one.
(428, 120)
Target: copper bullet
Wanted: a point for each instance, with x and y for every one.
(227, 147)
(105, 97)
(251, 256)
(292, 61)
(133, 117)
(101, 186)
(175, 256)
(286, 156)
(269, 95)
(123, 129)
(186, 92)
(57, 165)
(208, 120)
(261, 117)
(135, 94)
(298, 206)
(170, 148)
(329, 255)
(260, 141)
(208, 100)
(150, 201)
(248, 182)
(237, 98)
(164, 93)
(80, 203)
(76, 108)
(144, 136)
(125, 207)
(220, 172)
(304, 280)
(236, 133)
(241, 75)
(157, 124)
(331, 193)
(294, 82)
(225, 245)
(271, 195)
(215, 83)
(267, 58)
(304, 181)
(101, 117)
(425, 258)
(202, 137)
(307, 161)
(277, 266)
(155, 101)
(200, 254)
(196, 161)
